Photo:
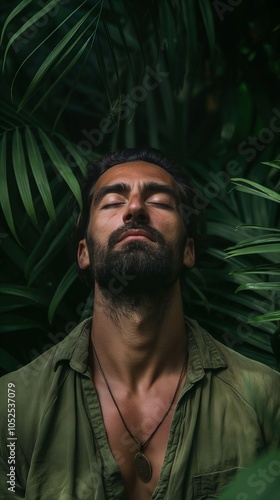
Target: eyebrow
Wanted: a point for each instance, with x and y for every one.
(122, 187)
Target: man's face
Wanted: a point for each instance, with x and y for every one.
(136, 228)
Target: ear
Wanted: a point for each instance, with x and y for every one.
(189, 253)
(82, 255)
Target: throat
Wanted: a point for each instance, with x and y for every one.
(141, 306)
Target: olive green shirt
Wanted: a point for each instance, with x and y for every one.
(223, 419)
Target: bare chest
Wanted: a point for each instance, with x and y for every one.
(142, 421)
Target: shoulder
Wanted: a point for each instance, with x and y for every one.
(238, 365)
(256, 384)
(34, 389)
(247, 371)
(37, 382)
(251, 379)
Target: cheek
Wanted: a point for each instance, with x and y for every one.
(101, 228)
(175, 231)
(98, 233)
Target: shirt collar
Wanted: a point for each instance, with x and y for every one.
(203, 351)
(75, 347)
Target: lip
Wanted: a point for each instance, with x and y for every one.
(137, 234)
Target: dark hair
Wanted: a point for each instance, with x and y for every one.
(150, 155)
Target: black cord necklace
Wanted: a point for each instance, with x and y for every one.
(142, 465)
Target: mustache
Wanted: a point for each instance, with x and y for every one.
(154, 233)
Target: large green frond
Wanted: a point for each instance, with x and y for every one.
(67, 280)
(255, 188)
(17, 10)
(61, 166)
(21, 175)
(33, 294)
(48, 256)
(39, 172)
(4, 191)
(61, 52)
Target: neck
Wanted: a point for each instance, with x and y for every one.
(140, 342)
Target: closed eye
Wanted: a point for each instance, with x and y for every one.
(112, 205)
(160, 204)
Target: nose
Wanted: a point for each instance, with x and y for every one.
(136, 210)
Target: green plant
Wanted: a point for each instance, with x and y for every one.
(260, 480)
(262, 279)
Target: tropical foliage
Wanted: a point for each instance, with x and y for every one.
(261, 480)
(198, 79)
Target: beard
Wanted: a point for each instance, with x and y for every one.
(138, 267)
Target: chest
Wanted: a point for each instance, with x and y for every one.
(142, 423)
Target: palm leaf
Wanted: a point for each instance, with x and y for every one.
(45, 240)
(39, 173)
(268, 238)
(10, 303)
(62, 74)
(12, 323)
(272, 316)
(49, 255)
(270, 285)
(244, 485)
(26, 25)
(62, 49)
(79, 159)
(64, 285)
(33, 294)
(272, 164)
(262, 228)
(21, 175)
(61, 165)
(268, 269)
(19, 8)
(275, 248)
(4, 191)
(251, 187)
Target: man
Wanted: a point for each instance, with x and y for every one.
(137, 402)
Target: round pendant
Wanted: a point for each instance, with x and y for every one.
(143, 467)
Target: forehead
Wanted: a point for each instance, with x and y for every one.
(135, 172)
